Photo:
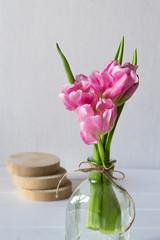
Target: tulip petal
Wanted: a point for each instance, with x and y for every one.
(90, 129)
(66, 102)
(117, 89)
(96, 81)
(68, 88)
(84, 112)
(81, 77)
(109, 117)
(108, 80)
(130, 67)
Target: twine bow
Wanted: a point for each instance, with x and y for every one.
(107, 173)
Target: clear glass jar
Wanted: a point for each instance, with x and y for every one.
(97, 210)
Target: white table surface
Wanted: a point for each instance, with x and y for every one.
(22, 219)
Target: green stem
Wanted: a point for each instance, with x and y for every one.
(96, 155)
(94, 206)
(95, 199)
(110, 218)
(103, 139)
(110, 210)
(101, 152)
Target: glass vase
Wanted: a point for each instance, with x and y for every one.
(97, 210)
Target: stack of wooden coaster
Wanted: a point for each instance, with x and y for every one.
(37, 174)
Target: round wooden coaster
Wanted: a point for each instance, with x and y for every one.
(41, 183)
(46, 195)
(32, 164)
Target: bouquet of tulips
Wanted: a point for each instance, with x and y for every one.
(98, 100)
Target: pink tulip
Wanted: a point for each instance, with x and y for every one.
(108, 110)
(115, 82)
(93, 124)
(78, 94)
(94, 98)
(122, 81)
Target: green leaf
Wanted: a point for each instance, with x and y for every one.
(119, 53)
(134, 60)
(66, 65)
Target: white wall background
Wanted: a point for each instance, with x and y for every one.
(32, 118)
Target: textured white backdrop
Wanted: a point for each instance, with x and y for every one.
(32, 118)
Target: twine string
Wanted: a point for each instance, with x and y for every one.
(107, 173)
